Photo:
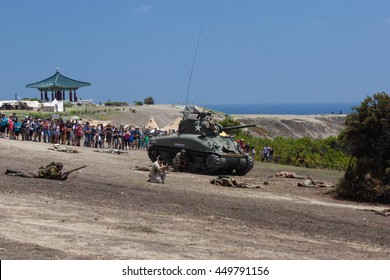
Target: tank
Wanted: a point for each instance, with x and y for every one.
(208, 149)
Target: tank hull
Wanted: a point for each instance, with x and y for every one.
(209, 155)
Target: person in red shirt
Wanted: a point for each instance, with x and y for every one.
(79, 134)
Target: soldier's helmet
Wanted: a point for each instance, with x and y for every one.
(59, 164)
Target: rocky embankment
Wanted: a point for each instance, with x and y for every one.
(296, 126)
(271, 126)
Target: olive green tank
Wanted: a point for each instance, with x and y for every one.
(208, 149)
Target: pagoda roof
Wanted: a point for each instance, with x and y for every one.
(58, 81)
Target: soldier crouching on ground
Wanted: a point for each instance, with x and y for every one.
(51, 171)
(180, 162)
(158, 171)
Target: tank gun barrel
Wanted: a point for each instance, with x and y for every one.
(237, 127)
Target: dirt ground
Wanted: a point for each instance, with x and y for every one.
(109, 211)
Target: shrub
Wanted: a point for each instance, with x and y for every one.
(116, 104)
(305, 152)
(149, 100)
(367, 139)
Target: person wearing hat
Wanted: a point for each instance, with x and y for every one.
(51, 171)
(158, 171)
(180, 162)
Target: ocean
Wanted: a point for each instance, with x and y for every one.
(284, 109)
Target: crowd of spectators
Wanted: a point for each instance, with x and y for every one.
(246, 147)
(74, 132)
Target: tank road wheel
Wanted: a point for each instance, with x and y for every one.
(153, 153)
(248, 167)
(214, 164)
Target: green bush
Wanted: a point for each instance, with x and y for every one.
(305, 152)
(367, 139)
(116, 104)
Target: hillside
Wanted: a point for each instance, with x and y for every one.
(296, 126)
(270, 126)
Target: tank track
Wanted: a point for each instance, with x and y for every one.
(204, 163)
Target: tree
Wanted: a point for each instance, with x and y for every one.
(367, 139)
(149, 100)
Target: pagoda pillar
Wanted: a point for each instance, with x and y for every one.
(46, 98)
(41, 94)
(63, 95)
(75, 96)
(52, 95)
(70, 96)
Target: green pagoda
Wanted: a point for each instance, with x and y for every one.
(58, 84)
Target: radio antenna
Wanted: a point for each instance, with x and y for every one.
(193, 63)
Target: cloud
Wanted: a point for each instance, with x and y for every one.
(142, 9)
(317, 22)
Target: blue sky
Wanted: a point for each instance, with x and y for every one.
(250, 51)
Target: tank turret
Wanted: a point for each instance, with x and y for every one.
(208, 150)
